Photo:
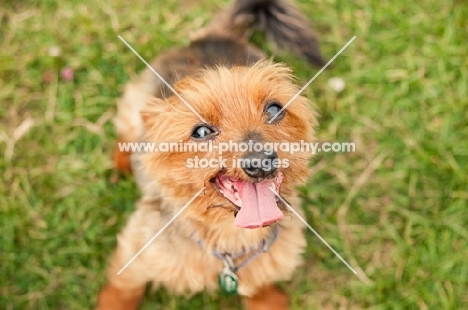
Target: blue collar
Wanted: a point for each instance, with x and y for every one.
(253, 252)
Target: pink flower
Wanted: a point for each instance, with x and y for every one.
(67, 74)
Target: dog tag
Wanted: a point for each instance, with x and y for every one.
(228, 281)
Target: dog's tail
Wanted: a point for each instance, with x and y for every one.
(280, 20)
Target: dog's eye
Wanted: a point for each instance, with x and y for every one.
(273, 109)
(203, 132)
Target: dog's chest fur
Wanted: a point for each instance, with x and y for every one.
(176, 260)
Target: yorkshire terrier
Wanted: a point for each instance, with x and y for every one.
(236, 234)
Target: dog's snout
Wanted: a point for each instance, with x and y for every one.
(259, 165)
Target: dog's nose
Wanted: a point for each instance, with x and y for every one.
(259, 165)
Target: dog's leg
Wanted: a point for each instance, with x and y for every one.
(268, 298)
(128, 122)
(124, 291)
(121, 159)
(114, 298)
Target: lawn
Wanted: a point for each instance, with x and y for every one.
(396, 209)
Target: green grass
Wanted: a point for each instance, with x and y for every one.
(396, 208)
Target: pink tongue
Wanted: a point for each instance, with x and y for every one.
(259, 206)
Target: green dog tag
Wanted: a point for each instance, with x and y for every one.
(228, 281)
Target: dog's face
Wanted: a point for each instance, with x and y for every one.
(246, 160)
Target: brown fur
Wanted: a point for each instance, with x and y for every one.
(268, 298)
(114, 298)
(224, 79)
(122, 161)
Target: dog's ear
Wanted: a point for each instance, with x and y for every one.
(150, 113)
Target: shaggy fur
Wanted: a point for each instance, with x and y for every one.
(226, 81)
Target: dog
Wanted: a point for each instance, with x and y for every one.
(236, 233)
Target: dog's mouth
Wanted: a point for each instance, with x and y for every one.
(257, 204)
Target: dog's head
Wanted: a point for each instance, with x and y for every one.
(238, 154)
